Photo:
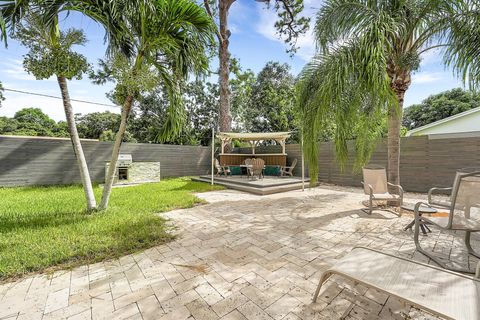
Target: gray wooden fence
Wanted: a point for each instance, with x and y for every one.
(44, 161)
(425, 162)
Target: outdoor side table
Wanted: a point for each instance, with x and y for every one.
(421, 209)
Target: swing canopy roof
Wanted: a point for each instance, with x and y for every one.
(254, 136)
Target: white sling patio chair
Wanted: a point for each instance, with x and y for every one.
(375, 185)
(432, 191)
(465, 197)
(444, 293)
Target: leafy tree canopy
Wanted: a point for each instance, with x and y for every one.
(92, 125)
(109, 135)
(32, 122)
(149, 116)
(50, 54)
(101, 126)
(201, 104)
(117, 69)
(272, 100)
(440, 106)
(34, 116)
(263, 102)
(241, 85)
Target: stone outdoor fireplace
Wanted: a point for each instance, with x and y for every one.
(133, 172)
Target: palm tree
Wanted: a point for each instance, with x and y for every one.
(50, 53)
(170, 36)
(367, 52)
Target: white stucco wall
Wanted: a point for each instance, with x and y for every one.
(467, 123)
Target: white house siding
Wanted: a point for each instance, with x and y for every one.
(467, 123)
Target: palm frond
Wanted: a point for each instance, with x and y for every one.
(350, 85)
(463, 52)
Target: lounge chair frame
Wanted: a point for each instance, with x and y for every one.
(417, 291)
(453, 211)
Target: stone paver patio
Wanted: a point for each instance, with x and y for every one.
(239, 257)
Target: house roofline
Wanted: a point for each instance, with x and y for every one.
(433, 124)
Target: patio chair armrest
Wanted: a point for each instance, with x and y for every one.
(399, 187)
(399, 190)
(369, 187)
(432, 190)
(417, 207)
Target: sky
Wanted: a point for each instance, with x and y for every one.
(254, 42)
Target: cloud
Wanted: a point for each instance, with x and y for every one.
(433, 56)
(13, 69)
(234, 28)
(266, 27)
(427, 77)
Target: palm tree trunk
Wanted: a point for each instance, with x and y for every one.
(393, 143)
(107, 189)
(77, 146)
(225, 118)
(400, 81)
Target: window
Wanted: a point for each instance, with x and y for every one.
(122, 174)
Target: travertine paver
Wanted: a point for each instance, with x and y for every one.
(239, 257)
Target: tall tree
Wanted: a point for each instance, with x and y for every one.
(241, 85)
(367, 53)
(32, 122)
(92, 125)
(290, 25)
(440, 106)
(201, 105)
(51, 54)
(34, 116)
(161, 42)
(272, 100)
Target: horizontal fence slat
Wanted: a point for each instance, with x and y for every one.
(43, 161)
(424, 163)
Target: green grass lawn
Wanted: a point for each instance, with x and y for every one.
(41, 227)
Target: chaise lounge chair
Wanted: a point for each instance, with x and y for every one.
(375, 185)
(441, 292)
(465, 196)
